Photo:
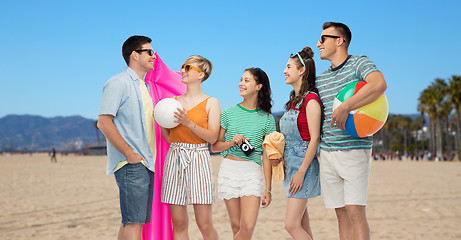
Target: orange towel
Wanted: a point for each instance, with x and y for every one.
(274, 144)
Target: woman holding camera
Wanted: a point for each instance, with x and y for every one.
(241, 182)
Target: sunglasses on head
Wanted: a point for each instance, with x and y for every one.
(322, 38)
(149, 51)
(299, 56)
(188, 67)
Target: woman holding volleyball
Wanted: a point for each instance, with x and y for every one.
(301, 124)
(241, 182)
(187, 175)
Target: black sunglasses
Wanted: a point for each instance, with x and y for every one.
(149, 51)
(322, 38)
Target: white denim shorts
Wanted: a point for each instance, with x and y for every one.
(240, 178)
(344, 177)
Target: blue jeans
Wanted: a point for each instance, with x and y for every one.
(136, 187)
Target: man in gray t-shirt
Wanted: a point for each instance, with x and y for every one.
(345, 161)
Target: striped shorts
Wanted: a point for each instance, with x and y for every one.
(187, 175)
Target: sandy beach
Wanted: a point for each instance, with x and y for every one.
(74, 199)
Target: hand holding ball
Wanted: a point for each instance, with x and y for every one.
(366, 120)
(164, 112)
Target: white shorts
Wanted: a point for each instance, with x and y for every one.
(240, 178)
(344, 177)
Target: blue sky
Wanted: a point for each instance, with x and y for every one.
(57, 55)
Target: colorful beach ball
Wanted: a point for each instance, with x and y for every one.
(367, 120)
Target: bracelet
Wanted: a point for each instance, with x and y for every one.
(269, 192)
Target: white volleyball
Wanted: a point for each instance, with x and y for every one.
(164, 112)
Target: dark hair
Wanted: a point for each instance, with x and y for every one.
(342, 29)
(131, 44)
(264, 95)
(308, 81)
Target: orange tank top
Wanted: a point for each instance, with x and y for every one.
(197, 115)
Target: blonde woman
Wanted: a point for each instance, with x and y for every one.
(188, 178)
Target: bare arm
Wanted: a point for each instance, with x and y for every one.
(376, 85)
(267, 167)
(165, 133)
(109, 130)
(220, 146)
(313, 114)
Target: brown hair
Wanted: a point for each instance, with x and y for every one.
(308, 81)
(131, 44)
(265, 94)
(342, 30)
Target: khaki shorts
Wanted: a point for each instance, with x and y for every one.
(344, 177)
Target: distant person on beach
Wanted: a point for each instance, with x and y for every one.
(345, 161)
(301, 126)
(126, 120)
(187, 174)
(53, 156)
(246, 173)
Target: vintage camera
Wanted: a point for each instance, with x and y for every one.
(246, 148)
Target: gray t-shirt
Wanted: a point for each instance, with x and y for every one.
(329, 83)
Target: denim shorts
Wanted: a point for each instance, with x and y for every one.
(294, 157)
(136, 184)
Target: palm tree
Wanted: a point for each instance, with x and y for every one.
(454, 92)
(388, 130)
(395, 133)
(444, 112)
(422, 108)
(415, 127)
(425, 106)
(403, 125)
(431, 100)
(438, 91)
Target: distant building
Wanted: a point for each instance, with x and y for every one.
(421, 134)
(96, 150)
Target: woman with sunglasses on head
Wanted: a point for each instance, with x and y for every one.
(300, 125)
(241, 182)
(187, 175)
